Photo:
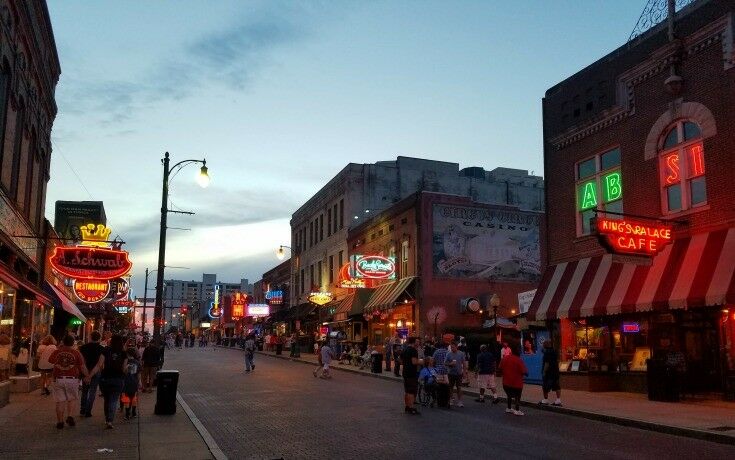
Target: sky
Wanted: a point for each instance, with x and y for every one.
(278, 96)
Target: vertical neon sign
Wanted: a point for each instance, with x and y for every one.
(613, 187)
(588, 195)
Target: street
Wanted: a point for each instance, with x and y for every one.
(281, 411)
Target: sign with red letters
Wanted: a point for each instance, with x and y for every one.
(630, 236)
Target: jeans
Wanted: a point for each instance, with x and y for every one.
(249, 361)
(111, 390)
(89, 390)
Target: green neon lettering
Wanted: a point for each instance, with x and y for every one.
(588, 194)
(613, 187)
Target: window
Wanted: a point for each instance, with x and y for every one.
(329, 222)
(404, 259)
(599, 188)
(340, 259)
(321, 227)
(4, 86)
(302, 280)
(311, 234)
(334, 213)
(682, 170)
(331, 269)
(319, 273)
(341, 213)
(311, 276)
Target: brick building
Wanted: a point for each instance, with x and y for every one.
(641, 136)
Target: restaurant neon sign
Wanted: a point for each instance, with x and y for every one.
(90, 262)
(629, 236)
(372, 267)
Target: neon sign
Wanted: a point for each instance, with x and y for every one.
(672, 169)
(612, 190)
(91, 291)
(239, 300)
(631, 328)
(274, 297)
(633, 237)
(346, 281)
(696, 160)
(90, 263)
(214, 308)
(259, 309)
(588, 196)
(95, 235)
(120, 288)
(321, 298)
(372, 267)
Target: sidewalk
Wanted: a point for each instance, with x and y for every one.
(708, 420)
(28, 430)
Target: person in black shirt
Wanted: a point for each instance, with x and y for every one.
(91, 352)
(410, 359)
(550, 374)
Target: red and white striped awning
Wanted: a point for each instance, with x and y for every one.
(692, 272)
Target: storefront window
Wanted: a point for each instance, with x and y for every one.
(7, 304)
(22, 329)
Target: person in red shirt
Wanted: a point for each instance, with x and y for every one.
(513, 370)
(68, 366)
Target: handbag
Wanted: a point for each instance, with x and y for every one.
(442, 379)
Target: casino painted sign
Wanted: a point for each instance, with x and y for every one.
(90, 263)
(91, 291)
(630, 236)
(372, 267)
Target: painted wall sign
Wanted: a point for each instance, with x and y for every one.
(274, 297)
(239, 301)
(90, 263)
(259, 309)
(485, 243)
(524, 300)
(372, 267)
(321, 298)
(630, 236)
(91, 291)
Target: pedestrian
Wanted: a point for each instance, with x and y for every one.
(427, 376)
(91, 352)
(410, 360)
(319, 362)
(505, 351)
(485, 370)
(47, 347)
(68, 367)
(129, 397)
(550, 374)
(113, 363)
(151, 361)
(105, 342)
(397, 352)
(327, 355)
(513, 370)
(442, 377)
(250, 354)
(456, 363)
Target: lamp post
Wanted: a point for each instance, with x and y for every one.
(280, 253)
(495, 303)
(203, 180)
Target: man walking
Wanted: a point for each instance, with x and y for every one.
(327, 354)
(457, 365)
(410, 359)
(550, 373)
(68, 366)
(249, 354)
(485, 370)
(91, 352)
(151, 361)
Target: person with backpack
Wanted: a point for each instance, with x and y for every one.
(113, 364)
(249, 354)
(68, 366)
(129, 398)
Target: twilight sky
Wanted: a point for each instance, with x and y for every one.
(279, 96)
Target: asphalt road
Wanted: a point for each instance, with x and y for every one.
(281, 411)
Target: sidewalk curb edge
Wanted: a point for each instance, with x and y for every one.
(201, 429)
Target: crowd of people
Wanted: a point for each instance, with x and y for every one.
(120, 368)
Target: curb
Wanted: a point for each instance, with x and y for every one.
(632, 423)
(203, 432)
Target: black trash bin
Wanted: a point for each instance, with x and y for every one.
(166, 384)
(377, 363)
(663, 381)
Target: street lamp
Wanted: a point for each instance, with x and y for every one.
(495, 303)
(281, 254)
(203, 180)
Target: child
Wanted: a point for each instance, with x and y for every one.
(129, 397)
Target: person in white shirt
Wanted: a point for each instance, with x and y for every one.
(48, 346)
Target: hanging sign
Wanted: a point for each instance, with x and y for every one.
(347, 282)
(90, 262)
(119, 288)
(239, 301)
(259, 309)
(215, 311)
(274, 297)
(91, 291)
(95, 235)
(372, 267)
(321, 298)
(630, 236)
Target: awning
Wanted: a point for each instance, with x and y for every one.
(65, 303)
(300, 312)
(385, 295)
(352, 304)
(692, 272)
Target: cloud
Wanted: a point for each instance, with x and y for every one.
(230, 56)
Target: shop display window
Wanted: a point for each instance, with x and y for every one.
(21, 339)
(7, 307)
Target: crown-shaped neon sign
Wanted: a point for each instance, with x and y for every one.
(96, 235)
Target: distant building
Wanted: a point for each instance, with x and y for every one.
(319, 227)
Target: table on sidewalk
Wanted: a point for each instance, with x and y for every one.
(28, 430)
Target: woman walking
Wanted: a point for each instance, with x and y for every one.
(47, 347)
(513, 369)
(112, 364)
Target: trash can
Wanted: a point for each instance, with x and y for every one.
(662, 381)
(166, 383)
(377, 363)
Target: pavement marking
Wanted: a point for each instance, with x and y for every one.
(208, 439)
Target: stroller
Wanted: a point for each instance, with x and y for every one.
(366, 360)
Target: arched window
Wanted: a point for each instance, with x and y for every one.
(682, 167)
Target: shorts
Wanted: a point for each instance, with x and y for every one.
(126, 399)
(410, 385)
(455, 381)
(485, 381)
(66, 390)
(551, 383)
